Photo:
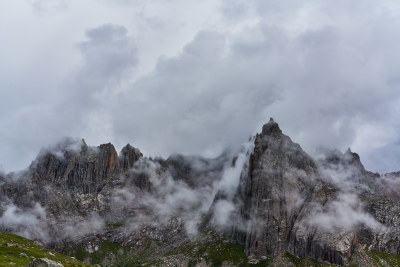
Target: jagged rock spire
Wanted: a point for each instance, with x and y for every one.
(271, 129)
(84, 146)
(129, 155)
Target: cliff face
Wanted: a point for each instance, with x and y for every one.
(323, 209)
(281, 185)
(129, 155)
(70, 180)
(85, 171)
(82, 189)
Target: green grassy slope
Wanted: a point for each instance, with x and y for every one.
(19, 251)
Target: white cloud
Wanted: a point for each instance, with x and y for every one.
(197, 77)
(27, 222)
(345, 213)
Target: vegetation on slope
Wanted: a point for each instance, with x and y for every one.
(106, 253)
(19, 251)
(209, 249)
(384, 259)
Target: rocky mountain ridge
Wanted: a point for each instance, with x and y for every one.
(271, 198)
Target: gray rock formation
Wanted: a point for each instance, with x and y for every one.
(44, 262)
(326, 208)
(76, 191)
(128, 156)
(323, 209)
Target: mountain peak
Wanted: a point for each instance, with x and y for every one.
(352, 157)
(271, 128)
(129, 155)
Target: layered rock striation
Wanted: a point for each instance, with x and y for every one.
(70, 178)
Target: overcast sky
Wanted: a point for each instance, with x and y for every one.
(198, 76)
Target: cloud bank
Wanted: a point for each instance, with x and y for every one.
(199, 77)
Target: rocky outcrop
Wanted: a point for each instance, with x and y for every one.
(78, 187)
(287, 196)
(70, 179)
(128, 156)
(44, 262)
(86, 170)
(280, 181)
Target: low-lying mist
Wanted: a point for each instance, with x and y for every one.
(184, 190)
(151, 193)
